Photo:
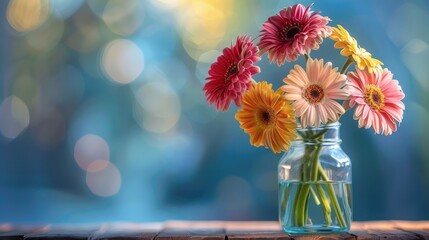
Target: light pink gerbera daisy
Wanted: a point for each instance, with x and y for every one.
(378, 98)
(231, 75)
(292, 32)
(314, 92)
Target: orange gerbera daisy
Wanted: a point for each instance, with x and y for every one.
(267, 118)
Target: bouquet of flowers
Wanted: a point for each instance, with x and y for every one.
(312, 95)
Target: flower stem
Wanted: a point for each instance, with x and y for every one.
(299, 210)
(325, 203)
(313, 193)
(319, 134)
(346, 65)
(307, 56)
(333, 197)
(305, 190)
(285, 192)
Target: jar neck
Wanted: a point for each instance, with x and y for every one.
(328, 134)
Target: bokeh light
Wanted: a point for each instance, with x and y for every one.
(24, 15)
(14, 117)
(123, 19)
(84, 33)
(203, 25)
(63, 9)
(158, 107)
(89, 149)
(46, 37)
(103, 178)
(122, 61)
(166, 4)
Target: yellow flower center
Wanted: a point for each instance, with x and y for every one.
(289, 32)
(314, 93)
(266, 116)
(231, 70)
(374, 97)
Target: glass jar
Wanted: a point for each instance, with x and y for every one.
(315, 177)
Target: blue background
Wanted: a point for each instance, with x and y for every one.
(125, 79)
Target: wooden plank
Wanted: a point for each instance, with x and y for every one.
(420, 228)
(271, 230)
(184, 230)
(65, 232)
(382, 230)
(333, 236)
(358, 230)
(216, 230)
(131, 231)
(11, 232)
(255, 230)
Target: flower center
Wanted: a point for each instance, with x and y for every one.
(374, 97)
(231, 70)
(314, 93)
(289, 32)
(266, 116)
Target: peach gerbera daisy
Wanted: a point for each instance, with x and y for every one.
(350, 48)
(231, 75)
(267, 118)
(314, 92)
(292, 32)
(378, 98)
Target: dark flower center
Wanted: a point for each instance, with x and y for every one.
(290, 32)
(231, 70)
(314, 93)
(374, 97)
(266, 116)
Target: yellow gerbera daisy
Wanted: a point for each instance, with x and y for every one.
(351, 49)
(267, 118)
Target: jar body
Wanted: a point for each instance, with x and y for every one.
(315, 183)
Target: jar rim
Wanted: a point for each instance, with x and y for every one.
(320, 127)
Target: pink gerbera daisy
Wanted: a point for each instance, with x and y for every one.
(378, 98)
(231, 75)
(314, 92)
(292, 32)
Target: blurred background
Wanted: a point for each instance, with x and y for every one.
(103, 118)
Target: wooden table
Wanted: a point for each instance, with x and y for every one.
(214, 230)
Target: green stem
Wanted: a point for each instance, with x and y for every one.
(325, 203)
(319, 134)
(307, 56)
(285, 192)
(298, 193)
(302, 204)
(346, 65)
(333, 197)
(295, 205)
(302, 192)
(313, 193)
(315, 163)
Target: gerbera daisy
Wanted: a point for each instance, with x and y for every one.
(314, 92)
(351, 49)
(267, 118)
(378, 98)
(292, 32)
(231, 75)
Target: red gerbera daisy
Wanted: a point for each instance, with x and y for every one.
(231, 75)
(293, 32)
